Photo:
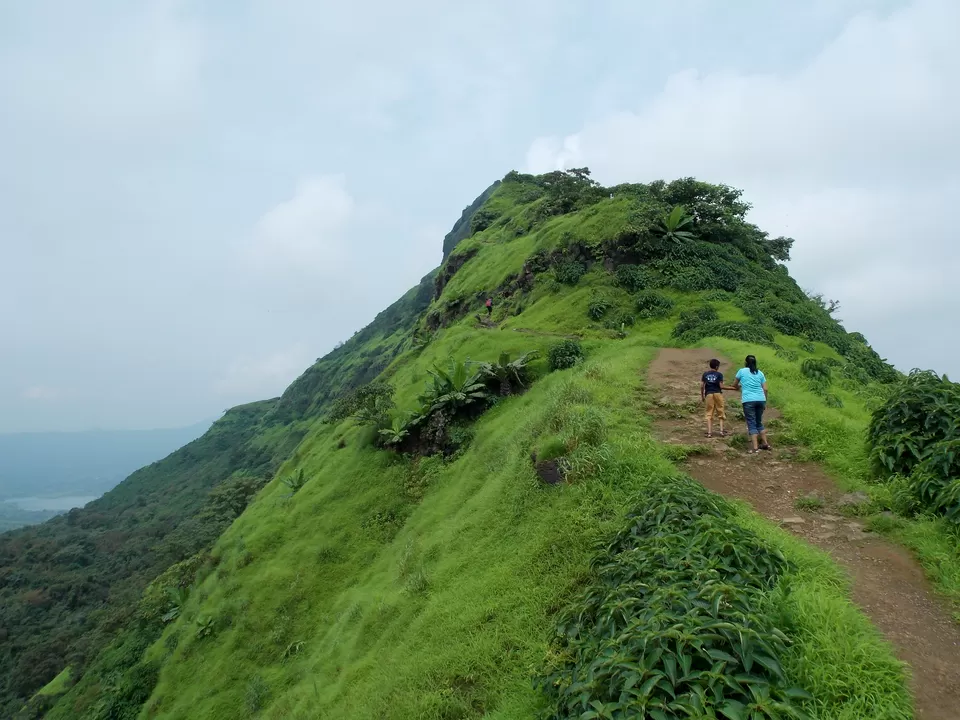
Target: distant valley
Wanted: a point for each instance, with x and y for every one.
(44, 474)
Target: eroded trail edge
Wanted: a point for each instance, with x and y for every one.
(888, 583)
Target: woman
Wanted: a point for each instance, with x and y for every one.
(752, 385)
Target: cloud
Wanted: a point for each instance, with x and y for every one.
(310, 230)
(40, 393)
(262, 376)
(854, 154)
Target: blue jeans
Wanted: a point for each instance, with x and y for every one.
(753, 412)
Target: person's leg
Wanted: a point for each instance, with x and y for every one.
(750, 415)
(761, 430)
(721, 410)
(708, 402)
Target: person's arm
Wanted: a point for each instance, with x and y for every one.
(764, 390)
(703, 390)
(735, 386)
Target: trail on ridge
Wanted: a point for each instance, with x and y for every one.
(888, 583)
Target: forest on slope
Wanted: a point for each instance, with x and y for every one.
(408, 560)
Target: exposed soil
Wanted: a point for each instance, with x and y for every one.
(888, 583)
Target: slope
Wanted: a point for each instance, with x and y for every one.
(430, 579)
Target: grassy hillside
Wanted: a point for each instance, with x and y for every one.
(409, 561)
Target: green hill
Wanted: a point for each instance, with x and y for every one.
(477, 520)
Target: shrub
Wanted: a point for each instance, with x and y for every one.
(744, 332)
(598, 308)
(505, 376)
(690, 319)
(569, 272)
(295, 481)
(565, 354)
(816, 370)
(631, 277)
(652, 304)
(675, 623)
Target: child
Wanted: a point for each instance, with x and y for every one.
(711, 392)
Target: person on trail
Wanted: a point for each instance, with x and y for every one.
(489, 306)
(752, 385)
(711, 393)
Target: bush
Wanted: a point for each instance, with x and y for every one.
(598, 308)
(565, 354)
(690, 319)
(569, 272)
(652, 304)
(677, 592)
(816, 370)
(631, 277)
(744, 332)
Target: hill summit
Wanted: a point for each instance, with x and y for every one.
(464, 511)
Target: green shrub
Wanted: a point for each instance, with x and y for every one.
(689, 319)
(598, 308)
(808, 347)
(785, 354)
(676, 623)
(631, 277)
(652, 304)
(621, 319)
(569, 272)
(565, 354)
(733, 330)
(817, 370)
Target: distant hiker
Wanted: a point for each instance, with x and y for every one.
(489, 306)
(711, 393)
(752, 385)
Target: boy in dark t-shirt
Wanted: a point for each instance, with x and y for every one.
(711, 392)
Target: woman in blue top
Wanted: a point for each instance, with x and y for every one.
(752, 385)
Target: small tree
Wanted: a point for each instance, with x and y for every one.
(674, 224)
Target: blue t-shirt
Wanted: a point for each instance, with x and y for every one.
(751, 386)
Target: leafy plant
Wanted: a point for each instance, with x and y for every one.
(565, 354)
(507, 374)
(690, 319)
(295, 481)
(395, 433)
(454, 388)
(816, 370)
(675, 224)
(675, 624)
(178, 598)
(569, 272)
(631, 277)
(653, 304)
(205, 626)
(598, 308)
(368, 404)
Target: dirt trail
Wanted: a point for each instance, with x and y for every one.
(888, 583)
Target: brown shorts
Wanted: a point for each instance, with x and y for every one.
(715, 406)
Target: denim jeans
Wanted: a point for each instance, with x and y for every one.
(753, 412)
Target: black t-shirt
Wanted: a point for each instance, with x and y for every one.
(712, 380)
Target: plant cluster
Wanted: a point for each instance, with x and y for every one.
(631, 278)
(598, 308)
(676, 622)
(652, 304)
(565, 354)
(689, 319)
(569, 272)
(915, 435)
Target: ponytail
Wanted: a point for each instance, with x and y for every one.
(751, 362)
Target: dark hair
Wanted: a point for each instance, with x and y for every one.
(714, 364)
(751, 363)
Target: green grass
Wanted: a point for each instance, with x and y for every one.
(58, 685)
(354, 599)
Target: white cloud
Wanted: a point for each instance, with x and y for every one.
(310, 230)
(40, 393)
(262, 376)
(855, 155)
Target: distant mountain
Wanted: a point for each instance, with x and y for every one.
(56, 464)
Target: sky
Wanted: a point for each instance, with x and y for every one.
(198, 199)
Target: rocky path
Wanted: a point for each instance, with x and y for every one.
(888, 583)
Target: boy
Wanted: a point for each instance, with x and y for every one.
(711, 392)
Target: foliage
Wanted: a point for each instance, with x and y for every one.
(922, 411)
(696, 331)
(565, 354)
(674, 223)
(652, 304)
(631, 277)
(598, 308)
(690, 319)
(675, 622)
(295, 481)
(507, 375)
(453, 388)
(569, 272)
(369, 404)
(396, 432)
(817, 371)
(569, 190)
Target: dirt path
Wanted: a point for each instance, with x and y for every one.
(887, 582)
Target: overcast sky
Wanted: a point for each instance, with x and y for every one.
(197, 199)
